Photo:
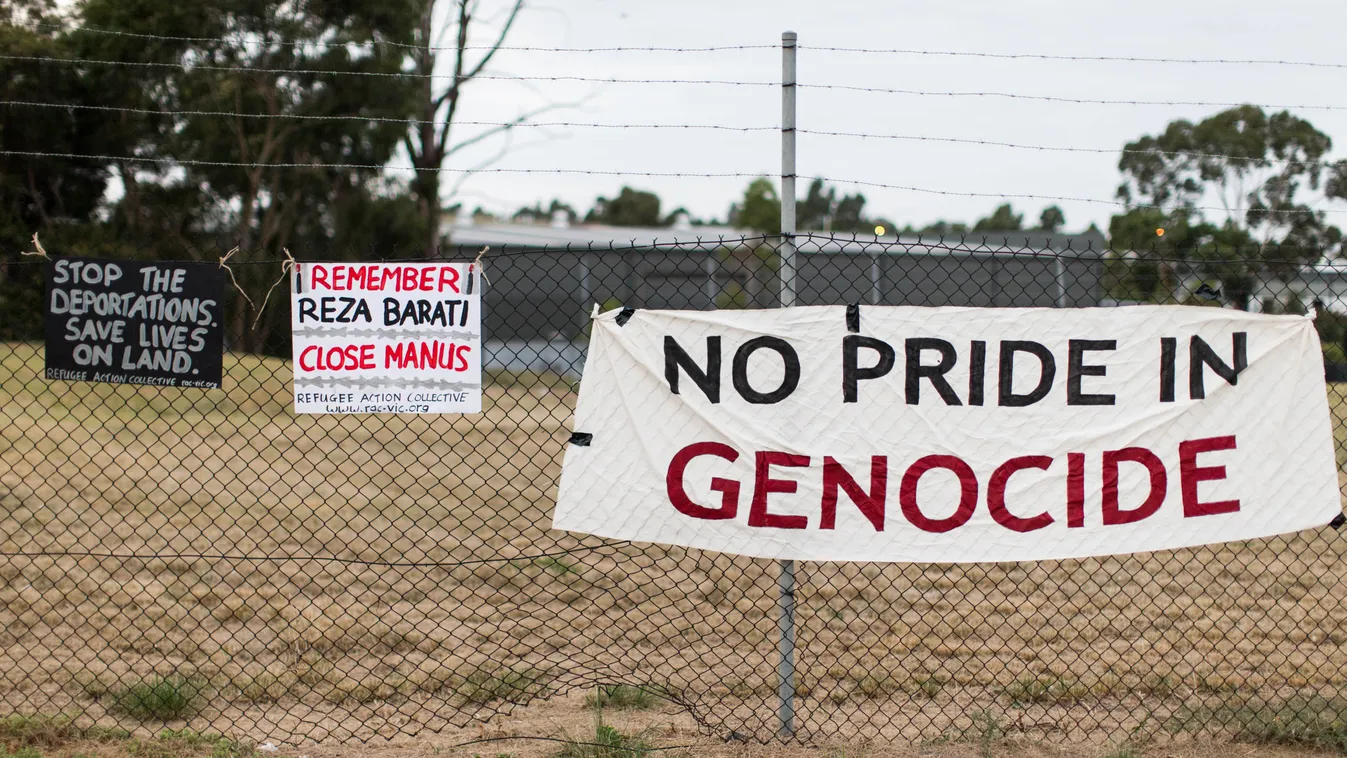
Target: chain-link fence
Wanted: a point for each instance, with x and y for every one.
(209, 558)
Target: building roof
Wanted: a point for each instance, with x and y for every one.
(599, 236)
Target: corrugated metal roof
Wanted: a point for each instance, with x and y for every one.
(591, 236)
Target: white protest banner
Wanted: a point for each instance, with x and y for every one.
(386, 338)
(949, 434)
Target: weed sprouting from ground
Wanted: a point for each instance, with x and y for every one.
(157, 698)
(608, 742)
(1310, 722)
(1134, 745)
(876, 685)
(621, 696)
(482, 686)
(33, 736)
(1054, 689)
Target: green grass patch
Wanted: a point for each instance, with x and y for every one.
(171, 744)
(515, 685)
(1307, 722)
(927, 686)
(36, 736)
(622, 696)
(1045, 689)
(877, 685)
(556, 566)
(157, 698)
(607, 742)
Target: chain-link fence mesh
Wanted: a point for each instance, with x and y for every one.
(208, 558)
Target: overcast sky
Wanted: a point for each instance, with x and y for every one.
(1292, 30)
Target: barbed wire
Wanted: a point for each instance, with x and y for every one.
(1058, 148)
(391, 167)
(378, 41)
(1061, 99)
(1001, 243)
(712, 127)
(383, 119)
(1061, 198)
(462, 78)
(677, 174)
(1063, 57)
(187, 66)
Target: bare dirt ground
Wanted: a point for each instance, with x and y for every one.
(319, 579)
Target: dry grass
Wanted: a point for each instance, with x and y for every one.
(296, 648)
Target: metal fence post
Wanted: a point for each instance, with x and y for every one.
(787, 169)
(1060, 273)
(786, 577)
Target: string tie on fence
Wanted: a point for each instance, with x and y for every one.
(40, 252)
(287, 266)
(477, 263)
(224, 264)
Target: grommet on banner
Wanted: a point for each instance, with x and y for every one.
(624, 315)
(853, 318)
(581, 439)
(1206, 290)
(1338, 521)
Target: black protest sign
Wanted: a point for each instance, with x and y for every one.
(128, 322)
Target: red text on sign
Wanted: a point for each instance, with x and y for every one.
(377, 277)
(1116, 507)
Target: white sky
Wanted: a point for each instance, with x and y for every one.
(1293, 29)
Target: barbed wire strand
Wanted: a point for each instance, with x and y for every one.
(437, 169)
(384, 119)
(187, 66)
(1060, 198)
(711, 82)
(411, 45)
(712, 127)
(1076, 58)
(670, 174)
(378, 41)
(1057, 148)
(1071, 100)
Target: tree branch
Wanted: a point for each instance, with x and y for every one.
(484, 164)
(521, 119)
(500, 39)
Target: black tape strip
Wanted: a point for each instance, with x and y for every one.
(624, 315)
(581, 439)
(853, 318)
(1338, 521)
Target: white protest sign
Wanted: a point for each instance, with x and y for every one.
(949, 434)
(386, 338)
